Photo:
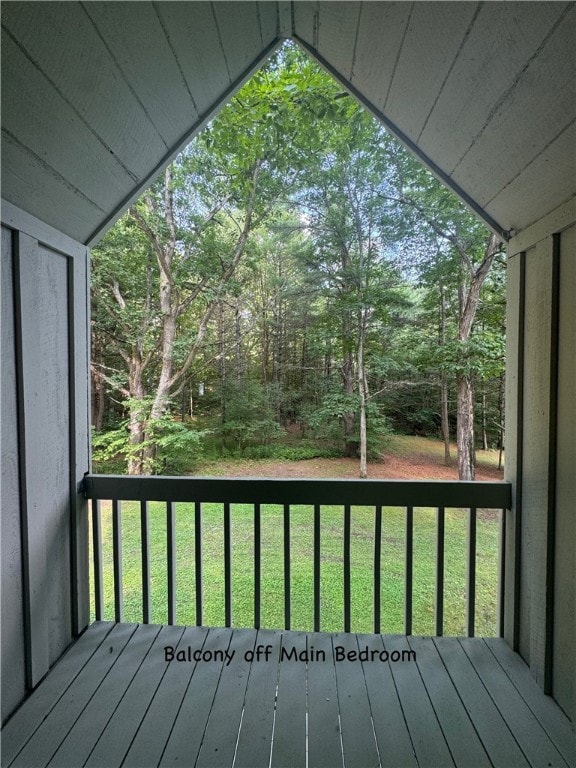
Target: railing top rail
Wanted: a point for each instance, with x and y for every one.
(404, 493)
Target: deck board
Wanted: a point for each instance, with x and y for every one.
(186, 737)
(80, 741)
(324, 749)
(221, 735)
(555, 723)
(524, 726)
(358, 740)
(463, 741)
(63, 716)
(492, 729)
(122, 728)
(427, 736)
(27, 719)
(113, 700)
(289, 736)
(255, 737)
(148, 745)
(394, 742)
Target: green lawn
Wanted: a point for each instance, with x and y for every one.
(392, 567)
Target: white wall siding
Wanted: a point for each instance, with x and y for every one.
(535, 469)
(13, 670)
(563, 682)
(44, 522)
(541, 449)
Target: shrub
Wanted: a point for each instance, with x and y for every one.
(177, 447)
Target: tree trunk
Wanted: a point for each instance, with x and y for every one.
(222, 363)
(466, 463)
(484, 422)
(445, 419)
(350, 446)
(98, 403)
(363, 387)
(468, 305)
(137, 419)
(238, 343)
(500, 421)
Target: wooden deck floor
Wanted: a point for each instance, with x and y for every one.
(114, 700)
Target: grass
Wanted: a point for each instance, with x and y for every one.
(392, 567)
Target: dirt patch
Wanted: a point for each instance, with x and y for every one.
(404, 461)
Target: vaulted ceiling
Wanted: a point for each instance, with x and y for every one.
(97, 97)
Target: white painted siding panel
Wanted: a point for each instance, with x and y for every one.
(564, 674)
(45, 319)
(511, 431)
(13, 670)
(80, 312)
(536, 459)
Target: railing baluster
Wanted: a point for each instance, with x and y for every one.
(316, 567)
(440, 515)
(471, 577)
(198, 560)
(97, 554)
(145, 544)
(409, 570)
(287, 606)
(171, 551)
(227, 567)
(347, 568)
(257, 565)
(442, 495)
(117, 553)
(377, 572)
(501, 573)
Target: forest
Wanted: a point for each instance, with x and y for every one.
(295, 284)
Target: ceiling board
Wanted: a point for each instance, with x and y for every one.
(37, 189)
(47, 125)
(142, 52)
(537, 108)
(430, 46)
(103, 111)
(481, 74)
(195, 41)
(269, 21)
(76, 61)
(337, 33)
(306, 16)
(540, 188)
(240, 33)
(374, 63)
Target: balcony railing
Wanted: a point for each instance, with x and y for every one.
(378, 495)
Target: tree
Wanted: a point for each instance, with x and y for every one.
(296, 253)
(429, 215)
(175, 252)
(170, 252)
(342, 203)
